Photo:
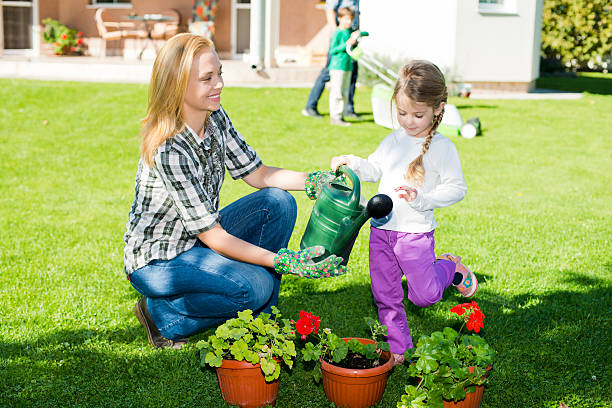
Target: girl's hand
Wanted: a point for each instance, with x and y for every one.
(354, 37)
(409, 193)
(339, 161)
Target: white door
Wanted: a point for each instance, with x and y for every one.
(241, 27)
(19, 26)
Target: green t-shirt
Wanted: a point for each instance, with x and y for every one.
(337, 49)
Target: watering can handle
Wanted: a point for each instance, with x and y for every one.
(356, 192)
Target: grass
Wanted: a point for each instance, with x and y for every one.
(535, 225)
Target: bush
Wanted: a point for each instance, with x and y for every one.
(66, 41)
(576, 34)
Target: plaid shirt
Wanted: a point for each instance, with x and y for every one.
(179, 197)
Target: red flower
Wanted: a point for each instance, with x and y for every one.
(307, 323)
(199, 11)
(475, 318)
(72, 49)
(458, 309)
(64, 36)
(474, 323)
(79, 41)
(79, 34)
(57, 44)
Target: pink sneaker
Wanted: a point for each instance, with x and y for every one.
(468, 285)
(398, 358)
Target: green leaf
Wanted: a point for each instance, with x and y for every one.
(310, 353)
(340, 353)
(427, 364)
(239, 350)
(213, 360)
(245, 315)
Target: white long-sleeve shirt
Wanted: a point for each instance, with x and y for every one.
(443, 186)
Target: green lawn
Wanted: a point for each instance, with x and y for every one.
(536, 227)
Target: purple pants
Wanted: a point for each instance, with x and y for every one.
(393, 254)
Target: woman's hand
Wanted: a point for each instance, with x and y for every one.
(339, 161)
(300, 263)
(409, 193)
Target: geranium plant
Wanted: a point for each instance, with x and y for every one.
(333, 349)
(266, 340)
(66, 41)
(448, 364)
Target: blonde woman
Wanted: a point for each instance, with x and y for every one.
(194, 264)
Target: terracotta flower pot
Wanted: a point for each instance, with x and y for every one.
(471, 400)
(352, 388)
(243, 384)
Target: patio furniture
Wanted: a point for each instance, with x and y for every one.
(150, 21)
(165, 30)
(116, 31)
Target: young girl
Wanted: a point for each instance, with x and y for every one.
(420, 170)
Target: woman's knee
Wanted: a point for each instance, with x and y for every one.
(258, 290)
(280, 202)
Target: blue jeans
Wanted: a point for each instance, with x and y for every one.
(201, 288)
(319, 86)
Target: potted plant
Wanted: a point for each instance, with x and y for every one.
(451, 368)
(247, 353)
(354, 370)
(63, 40)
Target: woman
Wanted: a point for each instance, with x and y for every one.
(197, 266)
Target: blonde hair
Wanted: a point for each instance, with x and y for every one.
(422, 81)
(164, 117)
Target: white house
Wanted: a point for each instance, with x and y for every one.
(493, 44)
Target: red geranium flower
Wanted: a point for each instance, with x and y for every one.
(473, 321)
(79, 34)
(79, 41)
(458, 309)
(307, 323)
(64, 36)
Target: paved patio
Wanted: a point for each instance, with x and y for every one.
(118, 69)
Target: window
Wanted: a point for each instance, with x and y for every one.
(111, 3)
(497, 6)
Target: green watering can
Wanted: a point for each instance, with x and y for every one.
(339, 213)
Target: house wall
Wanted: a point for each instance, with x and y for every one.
(300, 20)
(499, 48)
(76, 14)
(403, 30)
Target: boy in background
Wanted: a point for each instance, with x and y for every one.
(341, 65)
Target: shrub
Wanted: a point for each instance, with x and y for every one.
(576, 34)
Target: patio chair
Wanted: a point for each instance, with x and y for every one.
(166, 29)
(116, 31)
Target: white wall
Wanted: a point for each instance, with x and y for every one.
(498, 47)
(407, 29)
(470, 45)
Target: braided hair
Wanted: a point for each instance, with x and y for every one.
(422, 81)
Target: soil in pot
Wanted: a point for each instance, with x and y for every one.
(357, 361)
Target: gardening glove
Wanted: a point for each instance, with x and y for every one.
(300, 263)
(316, 179)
